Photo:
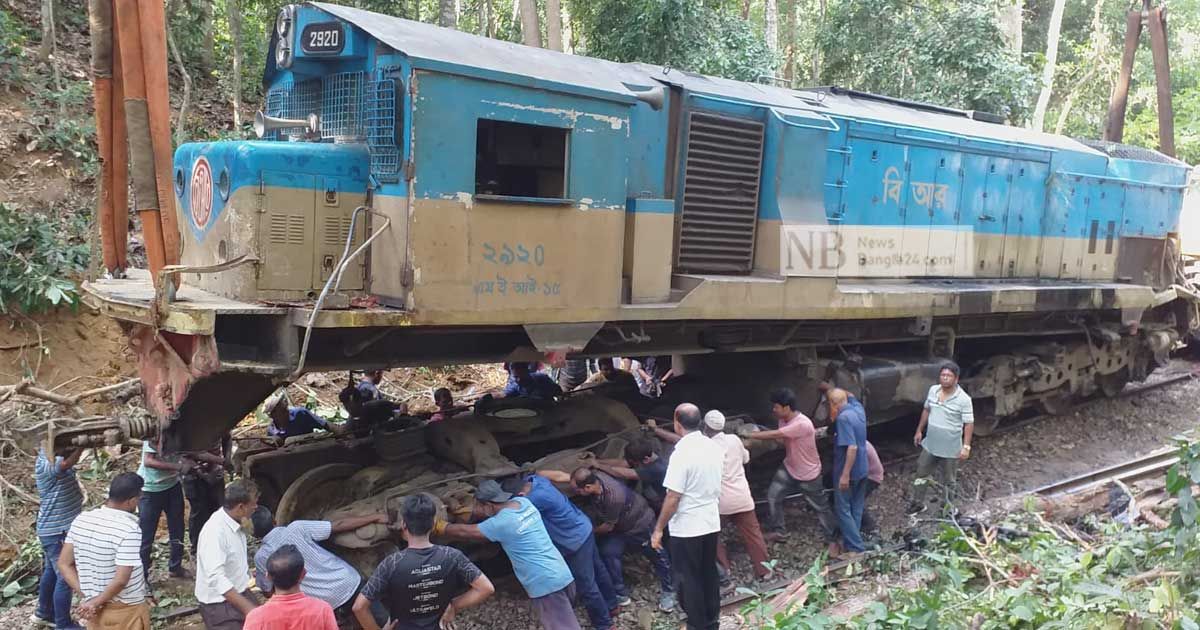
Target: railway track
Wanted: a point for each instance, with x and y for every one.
(1152, 465)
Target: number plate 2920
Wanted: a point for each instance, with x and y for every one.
(322, 38)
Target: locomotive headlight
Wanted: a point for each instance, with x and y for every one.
(284, 32)
(283, 24)
(283, 54)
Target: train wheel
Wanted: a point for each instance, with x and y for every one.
(314, 492)
(1056, 404)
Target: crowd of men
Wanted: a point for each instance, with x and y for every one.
(565, 532)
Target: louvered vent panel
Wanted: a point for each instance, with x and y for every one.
(336, 230)
(287, 229)
(720, 194)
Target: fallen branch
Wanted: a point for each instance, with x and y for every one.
(31, 389)
(21, 494)
(1149, 576)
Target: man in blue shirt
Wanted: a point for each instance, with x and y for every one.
(288, 421)
(517, 525)
(849, 466)
(369, 385)
(529, 384)
(61, 501)
(571, 531)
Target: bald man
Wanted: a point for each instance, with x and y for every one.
(849, 466)
(693, 484)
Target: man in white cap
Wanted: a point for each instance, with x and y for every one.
(736, 504)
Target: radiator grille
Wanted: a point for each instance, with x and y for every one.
(337, 98)
(341, 107)
(381, 126)
(720, 194)
(286, 229)
(295, 101)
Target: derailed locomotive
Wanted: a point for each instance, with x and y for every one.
(425, 196)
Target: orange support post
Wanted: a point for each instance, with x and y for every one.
(152, 22)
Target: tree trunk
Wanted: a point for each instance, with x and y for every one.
(1010, 20)
(816, 52)
(207, 41)
(47, 46)
(448, 13)
(484, 17)
(771, 27)
(745, 9)
(185, 101)
(531, 33)
(1043, 102)
(789, 41)
(235, 37)
(554, 38)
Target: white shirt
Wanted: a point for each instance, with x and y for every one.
(105, 539)
(221, 562)
(694, 471)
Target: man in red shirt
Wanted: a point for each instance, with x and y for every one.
(801, 469)
(290, 609)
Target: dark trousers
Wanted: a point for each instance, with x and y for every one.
(848, 504)
(612, 547)
(746, 524)
(555, 610)
(783, 484)
(694, 561)
(926, 463)
(204, 497)
(869, 526)
(54, 594)
(223, 615)
(152, 505)
(591, 582)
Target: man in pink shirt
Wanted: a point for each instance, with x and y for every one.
(288, 608)
(874, 479)
(801, 469)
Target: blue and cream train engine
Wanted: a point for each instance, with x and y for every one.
(421, 195)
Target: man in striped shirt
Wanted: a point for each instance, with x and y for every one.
(101, 560)
(60, 502)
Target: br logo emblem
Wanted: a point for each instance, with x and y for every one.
(201, 193)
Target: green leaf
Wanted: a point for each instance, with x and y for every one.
(1022, 612)
(1175, 481)
(1187, 506)
(1096, 588)
(1187, 623)
(10, 589)
(742, 590)
(1194, 471)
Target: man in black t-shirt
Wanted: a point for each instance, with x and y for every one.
(423, 585)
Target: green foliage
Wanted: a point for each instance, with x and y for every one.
(679, 34)
(950, 53)
(38, 259)
(12, 52)
(18, 580)
(1124, 578)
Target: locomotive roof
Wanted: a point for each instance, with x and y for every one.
(453, 49)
